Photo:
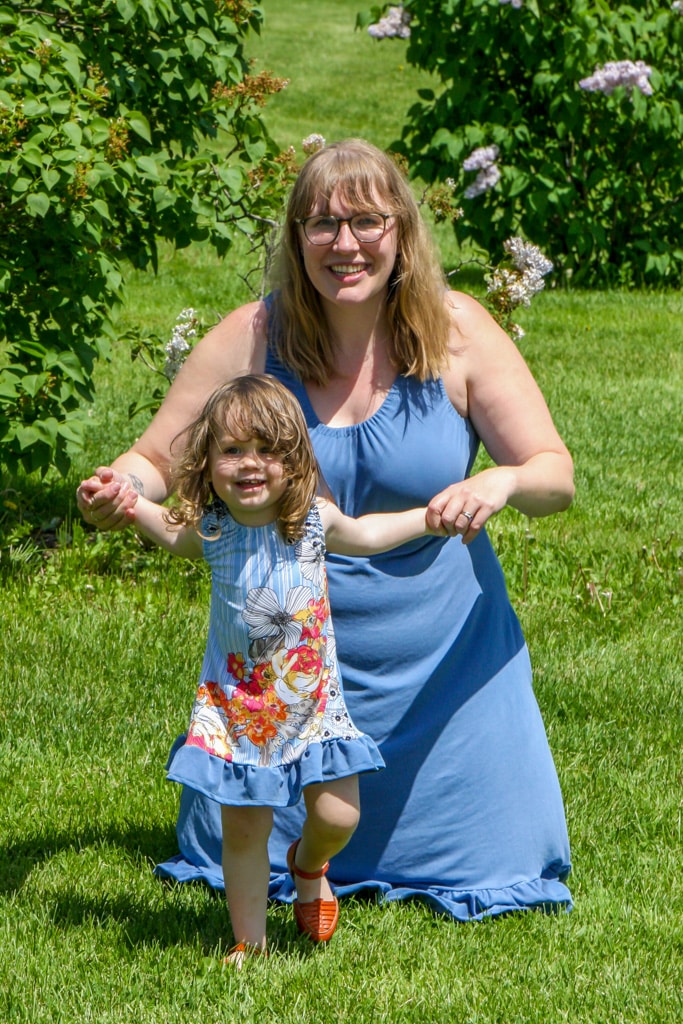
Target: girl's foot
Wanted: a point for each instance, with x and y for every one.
(241, 952)
(316, 908)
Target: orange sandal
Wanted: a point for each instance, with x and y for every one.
(318, 918)
(241, 952)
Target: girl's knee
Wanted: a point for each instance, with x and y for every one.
(335, 807)
(246, 827)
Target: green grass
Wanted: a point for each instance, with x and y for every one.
(100, 643)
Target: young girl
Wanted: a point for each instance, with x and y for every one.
(269, 720)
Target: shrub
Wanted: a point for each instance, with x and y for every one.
(556, 119)
(110, 114)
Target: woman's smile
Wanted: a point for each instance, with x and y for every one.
(347, 270)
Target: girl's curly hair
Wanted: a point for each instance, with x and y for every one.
(254, 405)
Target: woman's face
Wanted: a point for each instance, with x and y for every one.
(347, 272)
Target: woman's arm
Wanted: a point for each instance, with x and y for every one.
(182, 541)
(488, 381)
(236, 346)
(371, 534)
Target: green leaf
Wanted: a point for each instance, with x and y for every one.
(42, 430)
(147, 165)
(164, 197)
(140, 125)
(127, 10)
(34, 108)
(50, 177)
(37, 204)
(73, 133)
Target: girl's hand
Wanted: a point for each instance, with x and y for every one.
(466, 507)
(107, 499)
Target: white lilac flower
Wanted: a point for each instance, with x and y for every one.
(515, 3)
(485, 180)
(312, 143)
(178, 347)
(511, 284)
(527, 257)
(480, 159)
(516, 332)
(677, 5)
(517, 287)
(395, 23)
(626, 73)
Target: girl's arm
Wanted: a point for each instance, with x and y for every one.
(372, 534)
(182, 541)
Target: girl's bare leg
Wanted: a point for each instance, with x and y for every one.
(332, 814)
(246, 870)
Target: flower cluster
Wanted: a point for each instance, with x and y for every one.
(482, 160)
(677, 5)
(254, 88)
(508, 288)
(515, 3)
(626, 73)
(118, 140)
(395, 23)
(239, 10)
(178, 347)
(312, 143)
(441, 201)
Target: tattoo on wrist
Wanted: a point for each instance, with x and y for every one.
(137, 483)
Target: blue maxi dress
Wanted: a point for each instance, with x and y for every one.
(468, 812)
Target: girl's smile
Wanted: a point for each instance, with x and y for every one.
(248, 477)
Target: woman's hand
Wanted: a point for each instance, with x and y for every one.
(466, 507)
(107, 499)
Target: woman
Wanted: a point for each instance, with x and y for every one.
(399, 381)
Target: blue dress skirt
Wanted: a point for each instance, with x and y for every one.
(468, 812)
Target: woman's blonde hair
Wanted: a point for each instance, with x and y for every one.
(255, 405)
(365, 178)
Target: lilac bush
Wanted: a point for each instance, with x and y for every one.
(570, 118)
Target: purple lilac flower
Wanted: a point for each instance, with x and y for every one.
(515, 3)
(627, 73)
(480, 159)
(485, 180)
(395, 23)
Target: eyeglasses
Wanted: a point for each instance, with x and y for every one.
(323, 229)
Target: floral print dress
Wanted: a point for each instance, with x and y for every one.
(269, 716)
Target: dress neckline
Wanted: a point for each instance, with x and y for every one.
(349, 428)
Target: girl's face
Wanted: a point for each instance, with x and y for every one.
(348, 272)
(248, 477)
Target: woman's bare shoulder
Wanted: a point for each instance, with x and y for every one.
(235, 346)
(468, 316)
(470, 323)
(245, 327)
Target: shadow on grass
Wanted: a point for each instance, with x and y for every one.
(17, 860)
(175, 915)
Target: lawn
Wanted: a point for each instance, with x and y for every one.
(100, 644)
